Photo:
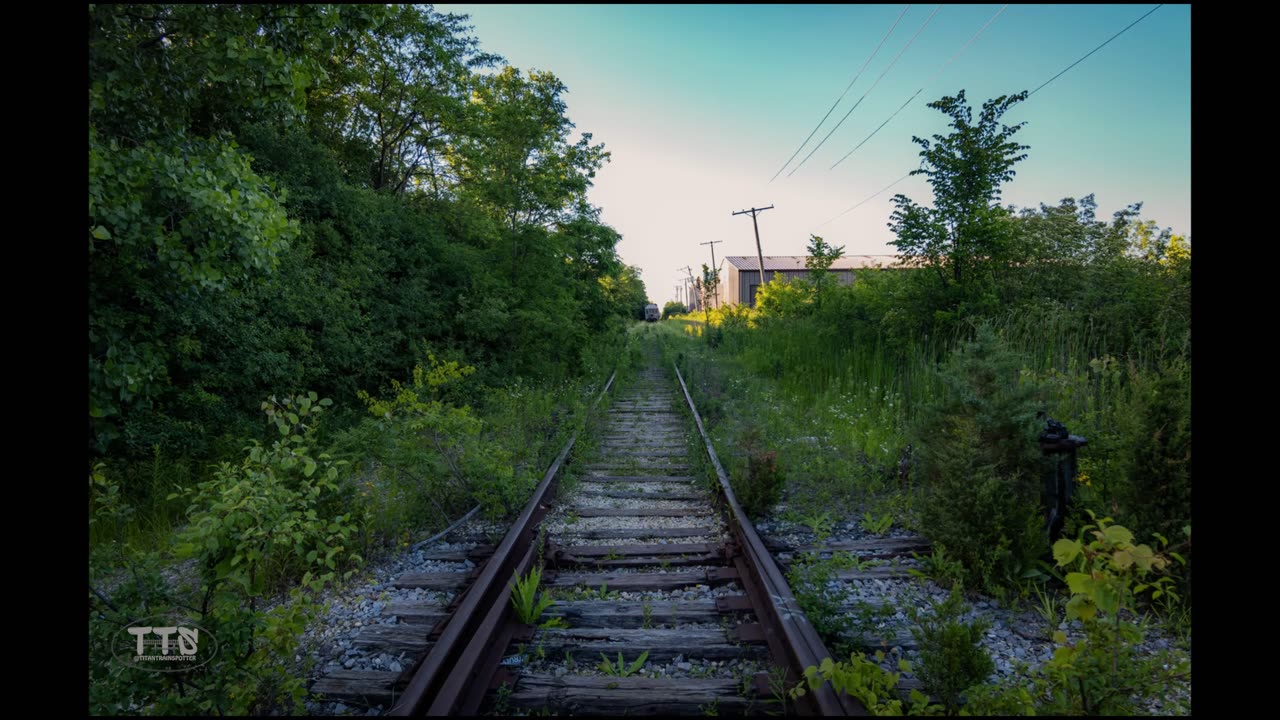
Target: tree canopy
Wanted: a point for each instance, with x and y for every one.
(306, 197)
(965, 236)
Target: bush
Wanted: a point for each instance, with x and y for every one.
(873, 686)
(673, 308)
(981, 466)
(810, 578)
(760, 486)
(438, 448)
(1158, 497)
(276, 518)
(1103, 674)
(952, 658)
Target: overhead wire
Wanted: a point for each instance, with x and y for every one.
(846, 92)
(868, 92)
(922, 87)
(1113, 37)
(869, 198)
(1037, 89)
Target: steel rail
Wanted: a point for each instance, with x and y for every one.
(799, 640)
(450, 670)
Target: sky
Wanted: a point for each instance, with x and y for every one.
(700, 105)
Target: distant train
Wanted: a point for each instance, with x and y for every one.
(652, 313)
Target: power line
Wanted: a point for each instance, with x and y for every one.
(1113, 37)
(966, 45)
(984, 27)
(1041, 86)
(868, 199)
(846, 92)
(868, 92)
(922, 87)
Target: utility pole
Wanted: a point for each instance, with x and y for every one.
(759, 253)
(688, 289)
(712, 243)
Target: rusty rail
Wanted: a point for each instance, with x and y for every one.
(788, 632)
(453, 667)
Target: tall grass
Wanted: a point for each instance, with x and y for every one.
(813, 385)
(148, 485)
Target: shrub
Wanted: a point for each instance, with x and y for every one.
(276, 517)
(1158, 497)
(810, 578)
(1102, 674)
(673, 308)
(981, 466)
(872, 685)
(760, 486)
(951, 654)
(437, 447)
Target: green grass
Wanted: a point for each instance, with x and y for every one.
(839, 412)
(146, 486)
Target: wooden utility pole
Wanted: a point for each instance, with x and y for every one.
(688, 289)
(759, 253)
(712, 243)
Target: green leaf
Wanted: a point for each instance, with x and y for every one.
(101, 233)
(1107, 598)
(1118, 535)
(1143, 556)
(1081, 607)
(1064, 551)
(1080, 583)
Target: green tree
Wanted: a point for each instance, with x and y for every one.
(625, 293)
(781, 298)
(177, 214)
(709, 289)
(821, 256)
(173, 70)
(395, 100)
(966, 237)
(518, 162)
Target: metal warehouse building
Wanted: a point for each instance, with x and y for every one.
(742, 272)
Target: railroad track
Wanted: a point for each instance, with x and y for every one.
(647, 563)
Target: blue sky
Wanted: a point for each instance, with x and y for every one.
(700, 105)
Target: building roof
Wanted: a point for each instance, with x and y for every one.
(796, 262)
